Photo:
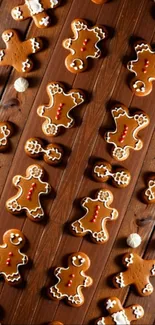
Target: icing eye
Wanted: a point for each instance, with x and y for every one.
(12, 235)
(20, 239)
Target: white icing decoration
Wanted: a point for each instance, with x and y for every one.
(45, 21)
(122, 153)
(21, 85)
(34, 6)
(139, 86)
(2, 54)
(120, 318)
(153, 270)
(150, 192)
(138, 311)
(78, 261)
(77, 64)
(134, 240)
(110, 304)
(148, 288)
(120, 280)
(129, 260)
(104, 196)
(7, 36)
(4, 134)
(35, 45)
(17, 13)
(26, 65)
(12, 204)
(14, 237)
(49, 128)
(101, 321)
(54, 3)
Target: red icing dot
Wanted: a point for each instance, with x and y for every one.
(82, 49)
(61, 105)
(73, 275)
(10, 254)
(34, 184)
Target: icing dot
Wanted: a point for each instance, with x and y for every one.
(144, 70)
(73, 275)
(82, 49)
(34, 184)
(10, 254)
(28, 197)
(61, 105)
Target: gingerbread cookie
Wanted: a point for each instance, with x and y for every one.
(72, 280)
(119, 315)
(52, 153)
(125, 136)
(37, 9)
(11, 257)
(102, 171)
(98, 212)
(17, 52)
(143, 68)
(57, 112)
(138, 273)
(149, 193)
(84, 45)
(30, 188)
(5, 133)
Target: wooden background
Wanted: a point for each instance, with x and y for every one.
(50, 242)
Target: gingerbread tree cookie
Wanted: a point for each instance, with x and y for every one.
(84, 45)
(72, 280)
(57, 112)
(37, 9)
(30, 188)
(125, 136)
(17, 52)
(119, 315)
(149, 192)
(52, 153)
(11, 257)
(102, 172)
(138, 273)
(5, 133)
(98, 212)
(143, 68)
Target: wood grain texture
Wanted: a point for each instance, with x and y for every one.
(104, 83)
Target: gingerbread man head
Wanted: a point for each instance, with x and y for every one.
(143, 68)
(37, 9)
(84, 45)
(119, 315)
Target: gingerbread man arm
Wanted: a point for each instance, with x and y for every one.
(134, 312)
(20, 13)
(10, 38)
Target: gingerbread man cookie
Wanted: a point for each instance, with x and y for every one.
(125, 136)
(119, 315)
(30, 188)
(138, 273)
(37, 9)
(11, 257)
(52, 153)
(17, 52)
(72, 280)
(102, 171)
(57, 113)
(5, 133)
(98, 212)
(84, 45)
(143, 68)
(149, 193)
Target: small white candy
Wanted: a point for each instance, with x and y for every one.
(21, 84)
(134, 240)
